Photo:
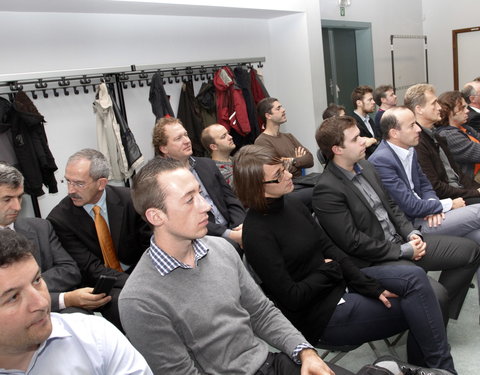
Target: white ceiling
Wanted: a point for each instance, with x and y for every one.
(147, 7)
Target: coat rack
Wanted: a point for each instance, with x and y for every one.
(66, 82)
(56, 83)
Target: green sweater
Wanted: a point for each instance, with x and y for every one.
(211, 319)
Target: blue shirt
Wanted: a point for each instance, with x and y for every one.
(102, 203)
(84, 344)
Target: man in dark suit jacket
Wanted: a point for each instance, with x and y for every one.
(87, 174)
(170, 139)
(362, 100)
(59, 270)
(360, 217)
(471, 94)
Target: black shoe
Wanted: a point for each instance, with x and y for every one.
(394, 365)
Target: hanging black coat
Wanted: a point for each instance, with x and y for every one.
(189, 113)
(7, 153)
(158, 98)
(35, 159)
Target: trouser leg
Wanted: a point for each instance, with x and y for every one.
(458, 259)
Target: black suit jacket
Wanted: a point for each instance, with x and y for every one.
(348, 218)
(59, 270)
(221, 194)
(76, 230)
(473, 119)
(364, 132)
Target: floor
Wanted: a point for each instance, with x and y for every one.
(463, 336)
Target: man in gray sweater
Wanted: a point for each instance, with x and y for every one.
(190, 306)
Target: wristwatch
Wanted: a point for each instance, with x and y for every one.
(294, 162)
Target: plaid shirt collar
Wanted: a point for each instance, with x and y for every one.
(165, 263)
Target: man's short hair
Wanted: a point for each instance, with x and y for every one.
(159, 136)
(331, 133)
(10, 176)
(99, 167)
(415, 95)
(206, 137)
(390, 121)
(248, 174)
(448, 101)
(467, 92)
(381, 92)
(359, 92)
(265, 106)
(332, 110)
(146, 191)
(14, 247)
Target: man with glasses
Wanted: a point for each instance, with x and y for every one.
(98, 226)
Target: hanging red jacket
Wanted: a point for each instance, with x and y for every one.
(231, 107)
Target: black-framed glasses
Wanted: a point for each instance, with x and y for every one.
(280, 174)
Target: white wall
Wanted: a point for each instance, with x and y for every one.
(439, 19)
(58, 41)
(387, 17)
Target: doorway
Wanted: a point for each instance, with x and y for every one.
(348, 58)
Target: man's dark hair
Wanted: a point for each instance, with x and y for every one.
(381, 92)
(265, 106)
(14, 247)
(358, 93)
(147, 192)
(10, 176)
(332, 110)
(331, 133)
(467, 92)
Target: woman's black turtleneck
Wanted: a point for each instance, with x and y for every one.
(287, 250)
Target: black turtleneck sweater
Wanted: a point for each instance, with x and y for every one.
(287, 250)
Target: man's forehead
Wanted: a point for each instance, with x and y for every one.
(351, 132)
(9, 191)
(177, 181)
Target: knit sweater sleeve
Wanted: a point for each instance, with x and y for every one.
(305, 161)
(267, 321)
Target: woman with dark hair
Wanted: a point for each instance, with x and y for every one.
(316, 285)
(463, 141)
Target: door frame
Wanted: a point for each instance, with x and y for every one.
(364, 48)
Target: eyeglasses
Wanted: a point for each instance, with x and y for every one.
(280, 173)
(78, 185)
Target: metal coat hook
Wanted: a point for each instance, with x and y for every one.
(76, 91)
(14, 86)
(85, 80)
(63, 82)
(132, 84)
(41, 85)
(34, 95)
(56, 93)
(45, 93)
(260, 65)
(141, 84)
(85, 89)
(170, 80)
(65, 91)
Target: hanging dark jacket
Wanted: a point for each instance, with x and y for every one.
(243, 79)
(207, 101)
(7, 153)
(35, 159)
(158, 98)
(231, 107)
(189, 113)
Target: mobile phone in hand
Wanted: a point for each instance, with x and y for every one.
(104, 284)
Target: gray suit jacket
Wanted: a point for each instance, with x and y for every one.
(59, 270)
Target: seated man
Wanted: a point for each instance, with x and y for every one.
(333, 110)
(432, 151)
(471, 94)
(58, 268)
(34, 341)
(190, 306)
(362, 100)
(396, 162)
(273, 114)
(352, 206)
(98, 226)
(170, 140)
(216, 140)
(384, 96)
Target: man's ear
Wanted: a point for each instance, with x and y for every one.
(163, 150)
(213, 147)
(358, 103)
(102, 182)
(337, 150)
(155, 216)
